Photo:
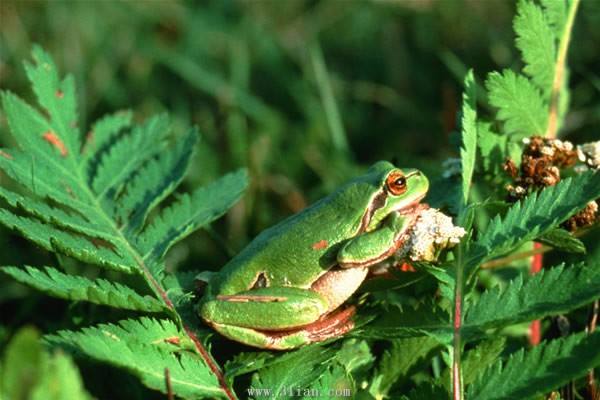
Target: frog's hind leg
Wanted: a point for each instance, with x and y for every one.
(329, 326)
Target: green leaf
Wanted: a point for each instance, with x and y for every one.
(57, 98)
(475, 360)
(399, 362)
(83, 224)
(550, 292)
(519, 104)
(103, 132)
(424, 319)
(61, 380)
(547, 366)
(119, 162)
(562, 240)
(191, 212)
(146, 348)
(244, 363)
(492, 148)
(77, 288)
(84, 248)
(333, 384)
(468, 151)
(90, 201)
(534, 216)
(537, 43)
(31, 373)
(155, 181)
(556, 14)
(293, 370)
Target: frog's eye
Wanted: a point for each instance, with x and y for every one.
(396, 183)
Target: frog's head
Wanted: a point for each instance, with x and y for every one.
(400, 190)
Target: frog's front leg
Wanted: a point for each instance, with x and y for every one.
(373, 247)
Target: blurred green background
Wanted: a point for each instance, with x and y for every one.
(302, 93)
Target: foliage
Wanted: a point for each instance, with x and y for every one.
(126, 212)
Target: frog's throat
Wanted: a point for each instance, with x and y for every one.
(379, 201)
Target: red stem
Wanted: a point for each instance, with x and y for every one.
(535, 329)
(197, 344)
(456, 386)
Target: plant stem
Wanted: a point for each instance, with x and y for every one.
(499, 262)
(559, 72)
(457, 392)
(591, 381)
(535, 329)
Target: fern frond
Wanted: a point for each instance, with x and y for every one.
(102, 133)
(87, 249)
(534, 216)
(57, 97)
(90, 201)
(155, 181)
(146, 348)
(77, 288)
(124, 158)
(44, 176)
(294, 370)
(546, 367)
(69, 219)
(424, 319)
(550, 292)
(400, 359)
(188, 213)
(519, 104)
(537, 43)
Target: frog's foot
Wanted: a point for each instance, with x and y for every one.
(329, 326)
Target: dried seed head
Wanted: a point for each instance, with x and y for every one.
(589, 153)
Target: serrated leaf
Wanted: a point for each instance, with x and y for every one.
(333, 384)
(91, 232)
(87, 249)
(57, 97)
(547, 366)
(474, 361)
(291, 371)
(155, 181)
(468, 149)
(399, 360)
(519, 104)
(77, 288)
(492, 148)
(120, 162)
(74, 194)
(244, 363)
(550, 292)
(189, 213)
(424, 319)
(536, 41)
(102, 133)
(534, 216)
(562, 240)
(556, 15)
(146, 347)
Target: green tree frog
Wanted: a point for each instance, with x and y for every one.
(286, 288)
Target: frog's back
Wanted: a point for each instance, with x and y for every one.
(300, 248)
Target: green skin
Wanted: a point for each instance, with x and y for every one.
(283, 289)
